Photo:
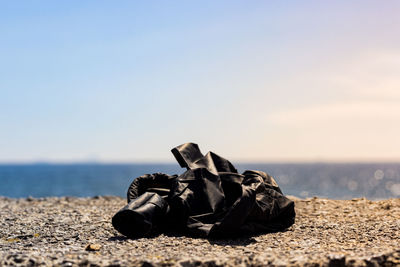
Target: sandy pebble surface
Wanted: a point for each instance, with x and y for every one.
(71, 231)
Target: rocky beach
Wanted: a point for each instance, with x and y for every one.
(71, 231)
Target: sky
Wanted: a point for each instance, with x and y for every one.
(253, 81)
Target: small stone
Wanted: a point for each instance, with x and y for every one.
(93, 247)
(66, 263)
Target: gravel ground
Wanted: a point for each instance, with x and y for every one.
(77, 231)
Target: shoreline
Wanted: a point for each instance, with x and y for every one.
(73, 231)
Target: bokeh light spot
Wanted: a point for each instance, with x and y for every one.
(379, 174)
(352, 185)
(395, 189)
(304, 194)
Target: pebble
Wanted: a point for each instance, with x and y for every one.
(93, 247)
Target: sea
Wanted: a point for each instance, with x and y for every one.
(327, 180)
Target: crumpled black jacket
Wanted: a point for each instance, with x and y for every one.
(210, 199)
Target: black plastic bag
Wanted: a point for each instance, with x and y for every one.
(210, 199)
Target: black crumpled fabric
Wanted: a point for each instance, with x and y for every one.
(210, 199)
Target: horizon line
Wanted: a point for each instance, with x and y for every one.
(168, 162)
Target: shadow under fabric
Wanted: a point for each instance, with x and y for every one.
(210, 199)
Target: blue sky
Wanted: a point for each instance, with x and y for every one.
(122, 81)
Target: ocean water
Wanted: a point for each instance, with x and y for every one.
(336, 181)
